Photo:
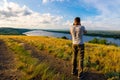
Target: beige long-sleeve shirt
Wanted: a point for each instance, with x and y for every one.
(77, 34)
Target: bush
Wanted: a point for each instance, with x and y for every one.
(113, 75)
(64, 37)
(101, 41)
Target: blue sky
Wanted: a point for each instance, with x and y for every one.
(59, 14)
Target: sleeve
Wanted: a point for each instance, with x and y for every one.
(71, 30)
(84, 30)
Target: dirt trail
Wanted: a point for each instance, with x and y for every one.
(7, 64)
(60, 66)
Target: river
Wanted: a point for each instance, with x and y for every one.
(55, 34)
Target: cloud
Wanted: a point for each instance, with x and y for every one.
(12, 10)
(102, 24)
(108, 17)
(12, 14)
(68, 22)
(105, 6)
(45, 1)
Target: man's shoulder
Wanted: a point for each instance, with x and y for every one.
(71, 27)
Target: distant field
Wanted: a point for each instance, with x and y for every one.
(47, 58)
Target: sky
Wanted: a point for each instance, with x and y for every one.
(59, 14)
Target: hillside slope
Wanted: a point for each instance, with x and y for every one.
(45, 58)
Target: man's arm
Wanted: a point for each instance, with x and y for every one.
(84, 30)
(71, 31)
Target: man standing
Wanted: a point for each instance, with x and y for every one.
(77, 32)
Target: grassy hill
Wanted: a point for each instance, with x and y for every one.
(12, 31)
(47, 58)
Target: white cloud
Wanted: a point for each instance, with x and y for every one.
(45, 1)
(68, 23)
(11, 14)
(102, 23)
(105, 6)
(108, 17)
(12, 10)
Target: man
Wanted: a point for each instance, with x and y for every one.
(77, 32)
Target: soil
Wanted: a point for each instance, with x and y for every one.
(7, 64)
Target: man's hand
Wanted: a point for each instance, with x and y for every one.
(85, 32)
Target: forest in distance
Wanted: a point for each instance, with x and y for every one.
(13, 31)
(100, 33)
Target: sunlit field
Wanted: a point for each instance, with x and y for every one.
(98, 58)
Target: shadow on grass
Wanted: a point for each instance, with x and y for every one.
(94, 76)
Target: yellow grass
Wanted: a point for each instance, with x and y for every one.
(102, 58)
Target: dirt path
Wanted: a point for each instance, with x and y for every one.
(60, 66)
(7, 63)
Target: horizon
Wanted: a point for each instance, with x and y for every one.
(56, 29)
(59, 14)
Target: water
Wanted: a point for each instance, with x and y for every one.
(54, 34)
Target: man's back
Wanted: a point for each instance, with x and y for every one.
(77, 34)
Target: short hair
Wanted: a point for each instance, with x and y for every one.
(77, 21)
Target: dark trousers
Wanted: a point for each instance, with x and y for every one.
(77, 64)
